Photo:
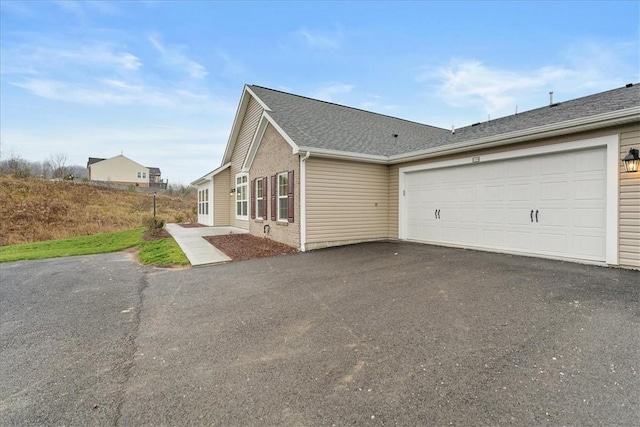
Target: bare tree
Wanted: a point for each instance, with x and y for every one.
(58, 164)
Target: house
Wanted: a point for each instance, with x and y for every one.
(547, 182)
(122, 170)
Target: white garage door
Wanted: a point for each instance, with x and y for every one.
(549, 205)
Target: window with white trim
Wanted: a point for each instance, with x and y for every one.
(283, 196)
(203, 202)
(139, 174)
(260, 197)
(242, 197)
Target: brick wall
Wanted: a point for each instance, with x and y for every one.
(274, 156)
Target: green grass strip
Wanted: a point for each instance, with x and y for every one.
(162, 253)
(81, 245)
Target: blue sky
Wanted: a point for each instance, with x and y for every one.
(161, 81)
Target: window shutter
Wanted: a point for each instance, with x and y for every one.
(290, 196)
(264, 197)
(274, 197)
(253, 199)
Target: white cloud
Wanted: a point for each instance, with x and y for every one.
(332, 92)
(173, 56)
(584, 68)
(321, 39)
(43, 56)
(471, 83)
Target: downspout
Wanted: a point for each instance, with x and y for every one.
(303, 201)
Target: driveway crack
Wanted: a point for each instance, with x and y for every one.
(131, 347)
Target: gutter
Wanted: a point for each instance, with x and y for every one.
(614, 118)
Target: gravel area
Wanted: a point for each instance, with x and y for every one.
(241, 247)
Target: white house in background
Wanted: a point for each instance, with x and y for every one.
(547, 182)
(122, 170)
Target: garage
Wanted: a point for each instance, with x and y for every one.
(552, 204)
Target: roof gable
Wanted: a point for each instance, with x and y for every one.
(334, 130)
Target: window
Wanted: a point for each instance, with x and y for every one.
(283, 200)
(203, 202)
(242, 200)
(139, 174)
(144, 174)
(260, 198)
(282, 208)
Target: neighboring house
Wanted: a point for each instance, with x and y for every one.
(546, 182)
(122, 170)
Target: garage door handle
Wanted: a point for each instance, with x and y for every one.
(536, 215)
(435, 213)
(531, 215)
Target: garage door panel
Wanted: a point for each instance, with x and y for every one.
(553, 165)
(519, 192)
(554, 217)
(555, 190)
(490, 205)
(468, 215)
(589, 247)
(491, 193)
(519, 168)
(492, 216)
(589, 218)
(590, 189)
(589, 161)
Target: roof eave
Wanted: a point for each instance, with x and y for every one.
(207, 177)
(620, 117)
(343, 155)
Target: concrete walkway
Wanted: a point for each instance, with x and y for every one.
(197, 249)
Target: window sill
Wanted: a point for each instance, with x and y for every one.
(258, 220)
(284, 223)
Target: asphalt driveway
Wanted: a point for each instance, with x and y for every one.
(373, 334)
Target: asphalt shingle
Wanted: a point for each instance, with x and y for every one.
(323, 125)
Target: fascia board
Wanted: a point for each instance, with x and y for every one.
(210, 175)
(613, 118)
(237, 121)
(343, 155)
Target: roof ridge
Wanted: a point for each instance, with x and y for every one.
(349, 107)
(559, 103)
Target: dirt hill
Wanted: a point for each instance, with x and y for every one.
(33, 210)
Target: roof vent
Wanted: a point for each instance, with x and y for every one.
(629, 85)
(475, 124)
(550, 98)
(395, 135)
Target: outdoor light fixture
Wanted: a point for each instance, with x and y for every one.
(631, 161)
(232, 191)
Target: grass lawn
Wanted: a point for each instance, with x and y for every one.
(161, 252)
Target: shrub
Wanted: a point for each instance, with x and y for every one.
(153, 224)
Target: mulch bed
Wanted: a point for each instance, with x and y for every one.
(240, 247)
(155, 235)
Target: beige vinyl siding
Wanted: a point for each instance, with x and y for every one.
(346, 202)
(245, 136)
(120, 170)
(629, 226)
(221, 186)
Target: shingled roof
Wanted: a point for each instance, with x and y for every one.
(324, 125)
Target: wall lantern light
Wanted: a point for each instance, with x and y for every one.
(232, 191)
(631, 161)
